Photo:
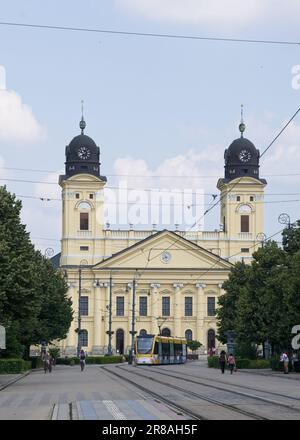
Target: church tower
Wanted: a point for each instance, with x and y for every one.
(82, 200)
(242, 191)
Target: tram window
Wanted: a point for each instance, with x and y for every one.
(156, 348)
(177, 349)
(144, 345)
(166, 349)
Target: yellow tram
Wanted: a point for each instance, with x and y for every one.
(155, 350)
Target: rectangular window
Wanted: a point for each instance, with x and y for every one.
(211, 306)
(166, 306)
(244, 223)
(251, 198)
(245, 250)
(143, 306)
(84, 221)
(238, 198)
(77, 195)
(84, 305)
(120, 305)
(91, 196)
(188, 309)
(84, 248)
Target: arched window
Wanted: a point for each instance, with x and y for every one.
(189, 335)
(83, 206)
(120, 341)
(165, 332)
(143, 332)
(211, 338)
(83, 338)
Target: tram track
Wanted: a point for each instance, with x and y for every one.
(232, 385)
(157, 396)
(239, 393)
(205, 398)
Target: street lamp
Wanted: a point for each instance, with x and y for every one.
(133, 332)
(109, 332)
(49, 252)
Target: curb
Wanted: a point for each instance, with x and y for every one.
(16, 379)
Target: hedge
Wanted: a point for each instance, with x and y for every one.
(213, 362)
(36, 362)
(90, 360)
(14, 366)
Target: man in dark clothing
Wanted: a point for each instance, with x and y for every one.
(222, 361)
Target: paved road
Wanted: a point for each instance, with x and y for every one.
(96, 394)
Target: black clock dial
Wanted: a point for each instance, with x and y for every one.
(245, 156)
(83, 153)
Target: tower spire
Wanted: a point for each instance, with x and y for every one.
(82, 123)
(242, 126)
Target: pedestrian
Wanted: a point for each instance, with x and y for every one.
(285, 359)
(82, 357)
(231, 363)
(222, 361)
(46, 362)
(294, 360)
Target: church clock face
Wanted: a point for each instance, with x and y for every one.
(166, 257)
(83, 153)
(245, 156)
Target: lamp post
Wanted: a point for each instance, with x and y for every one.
(109, 349)
(132, 321)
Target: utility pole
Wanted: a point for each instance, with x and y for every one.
(109, 351)
(133, 321)
(79, 314)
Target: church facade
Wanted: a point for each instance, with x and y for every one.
(135, 282)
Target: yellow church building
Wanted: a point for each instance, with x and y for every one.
(149, 281)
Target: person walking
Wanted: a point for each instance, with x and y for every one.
(231, 363)
(46, 362)
(285, 359)
(222, 361)
(82, 357)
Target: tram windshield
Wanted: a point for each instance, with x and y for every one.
(144, 345)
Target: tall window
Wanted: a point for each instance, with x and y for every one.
(211, 306)
(166, 306)
(188, 302)
(189, 335)
(84, 221)
(83, 338)
(84, 305)
(143, 306)
(244, 223)
(120, 305)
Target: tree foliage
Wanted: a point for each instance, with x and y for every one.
(33, 296)
(262, 300)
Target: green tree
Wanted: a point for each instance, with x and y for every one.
(194, 345)
(33, 296)
(291, 238)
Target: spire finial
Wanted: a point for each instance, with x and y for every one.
(242, 126)
(82, 123)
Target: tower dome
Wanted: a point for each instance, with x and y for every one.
(241, 158)
(82, 155)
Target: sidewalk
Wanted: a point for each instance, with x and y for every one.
(7, 379)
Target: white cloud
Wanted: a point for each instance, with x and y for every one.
(17, 122)
(211, 13)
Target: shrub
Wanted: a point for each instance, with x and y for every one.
(213, 362)
(14, 366)
(54, 352)
(67, 361)
(90, 360)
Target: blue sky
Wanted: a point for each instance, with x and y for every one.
(162, 106)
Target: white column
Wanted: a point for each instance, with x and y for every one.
(155, 304)
(96, 349)
(200, 307)
(178, 312)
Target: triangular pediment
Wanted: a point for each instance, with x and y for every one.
(164, 250)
